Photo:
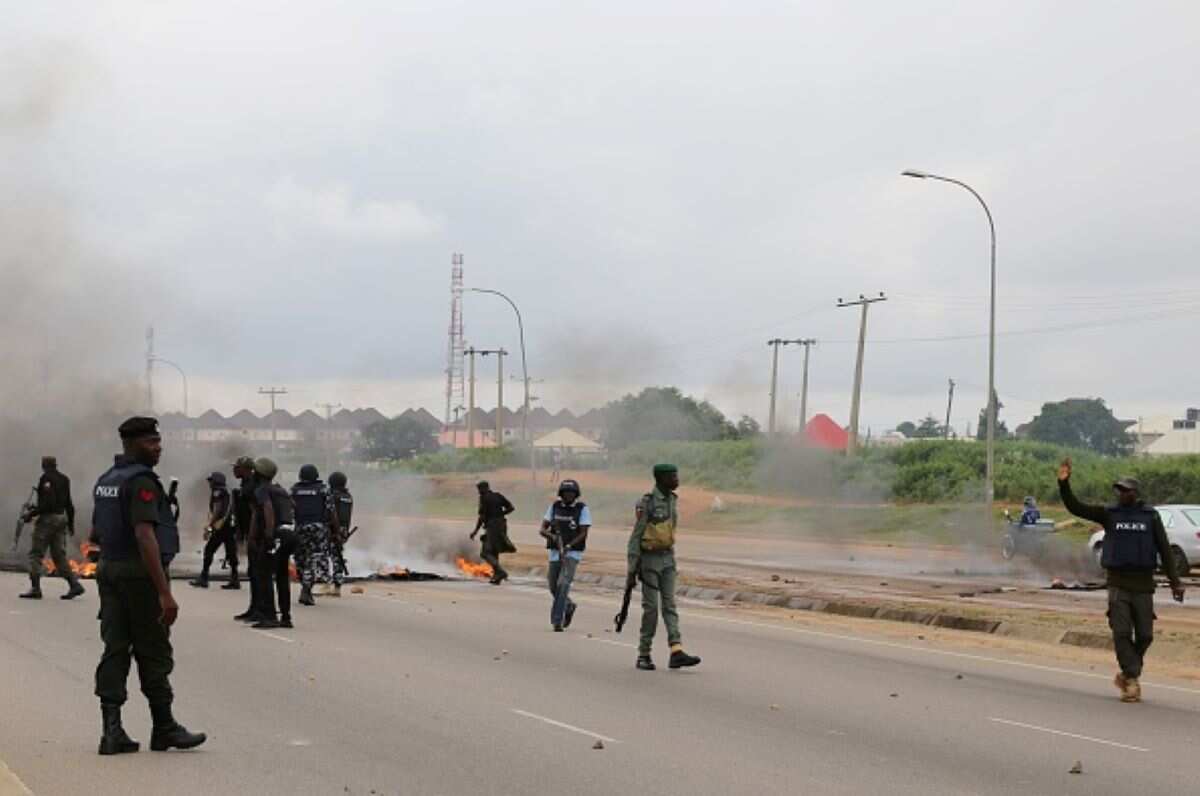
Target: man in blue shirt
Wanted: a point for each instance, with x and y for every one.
(565, 528)
(1030, 514)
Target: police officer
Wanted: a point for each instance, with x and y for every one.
(1134, 541)
(55, 515)
(314, 510)
(565, 528)
(243, 517)
(652, 559)
(219, 532)
(133, 521)
(273, 537)
(494, 509)
(343, 510)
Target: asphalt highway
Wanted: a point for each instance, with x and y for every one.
(461, 687)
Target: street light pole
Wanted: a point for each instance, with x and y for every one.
(525, 378)
(182, 374)
(990, 486)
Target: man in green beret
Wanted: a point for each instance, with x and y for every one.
(652, 559)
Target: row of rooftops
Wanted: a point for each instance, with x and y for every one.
(359, 419)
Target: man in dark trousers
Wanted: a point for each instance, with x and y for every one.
(1134, 541)
(134, 524)
(565, 529)
(494, 509)
(55, 515)
(243, 517)
(219, 533)
(343, 510)
(273, 537)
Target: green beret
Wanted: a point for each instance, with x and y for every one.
(664, 469)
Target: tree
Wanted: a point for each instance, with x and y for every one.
(1001, 428)
(1082, 423)
(664, 413)
(748, 428)
(929, 428)
(398, 438)
(907, 428)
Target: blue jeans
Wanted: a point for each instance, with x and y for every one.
(558, 578)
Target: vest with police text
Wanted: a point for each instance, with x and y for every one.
(110, 515)
(1129, 543)
(564, 523)
(343, 504)
(310, 499)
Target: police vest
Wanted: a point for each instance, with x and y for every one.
(1129, 540)
(343, 504)
(110, 514)
(219, 497)
(311, 499)
(243, 504)
(564, 522)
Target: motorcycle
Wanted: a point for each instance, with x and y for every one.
(1026, 540)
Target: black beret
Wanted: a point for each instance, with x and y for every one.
(136, 427)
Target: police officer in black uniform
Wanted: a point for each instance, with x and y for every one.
(1134, 542)
(136, 531)
(343, 511)
(219, 533)
(494, 509)
(243, 516)
(55, 519)
(273, 537)
(314, 516)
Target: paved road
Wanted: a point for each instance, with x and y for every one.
(459, 687)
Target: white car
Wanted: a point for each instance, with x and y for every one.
(1183, 532)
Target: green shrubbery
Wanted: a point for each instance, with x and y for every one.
(467, 460)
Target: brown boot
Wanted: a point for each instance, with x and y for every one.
(1133, 690)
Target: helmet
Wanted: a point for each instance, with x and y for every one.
(246, 462)
(1029, 501)
(337, 480)
(266, 468)
(217, 479)
(308, 472)
(569, 485)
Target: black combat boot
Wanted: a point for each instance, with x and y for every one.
(170, 734)
(285, 622)
(680, 659)
(306, 596)
(35, 589)
(200, 582)
(233, 583)
(76, 588)
(570, 614)
(645, 664)
(115, 741)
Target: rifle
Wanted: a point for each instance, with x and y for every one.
(341, 562)
(24, 516)
(623, 614)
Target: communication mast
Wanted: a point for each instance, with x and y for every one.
(455, 381)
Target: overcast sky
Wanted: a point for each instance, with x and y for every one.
(661, 186)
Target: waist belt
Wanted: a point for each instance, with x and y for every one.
(285, 528)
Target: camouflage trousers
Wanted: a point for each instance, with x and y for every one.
(49, 534)
(312, 553)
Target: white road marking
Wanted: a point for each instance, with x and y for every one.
(614, 643)
(11, 784)
(277, 638)
(1067, 734)
(565, 726)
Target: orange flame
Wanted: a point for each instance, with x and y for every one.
(81, 569)
(293, 575)
(472, 569)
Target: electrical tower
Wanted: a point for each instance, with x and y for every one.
(455, 387)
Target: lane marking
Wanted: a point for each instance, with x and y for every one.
(946, 653)
(1067, 734)
(565, 726)
(277, 638)
(607, 641)
(11, 784)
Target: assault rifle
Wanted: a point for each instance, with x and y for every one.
(623, 614)
(341, 562)
(24, 516)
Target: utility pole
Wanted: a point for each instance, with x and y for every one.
(272, 392)
(775, 344)
(329, 430)
(808, 343)
(470, 352)
(150, 370)
(949, 404)
(500, 355)
(864, 302)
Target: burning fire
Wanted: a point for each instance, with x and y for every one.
(293, 575)
(81, 569)
(395, 571)
(474, 570)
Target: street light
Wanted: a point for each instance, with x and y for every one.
(990, 486)
(181, 373)
(525, 379)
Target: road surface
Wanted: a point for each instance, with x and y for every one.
(460, 687)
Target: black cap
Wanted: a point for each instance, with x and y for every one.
(483, 485)
(217, 479)
(138, 427)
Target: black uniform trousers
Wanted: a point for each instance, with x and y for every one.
(131, 629)
(224, 537)
(272, 579)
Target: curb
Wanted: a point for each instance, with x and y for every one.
(865, 610)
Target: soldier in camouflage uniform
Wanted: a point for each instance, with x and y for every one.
(652, 559)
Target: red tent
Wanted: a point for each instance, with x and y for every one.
(823, 432)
